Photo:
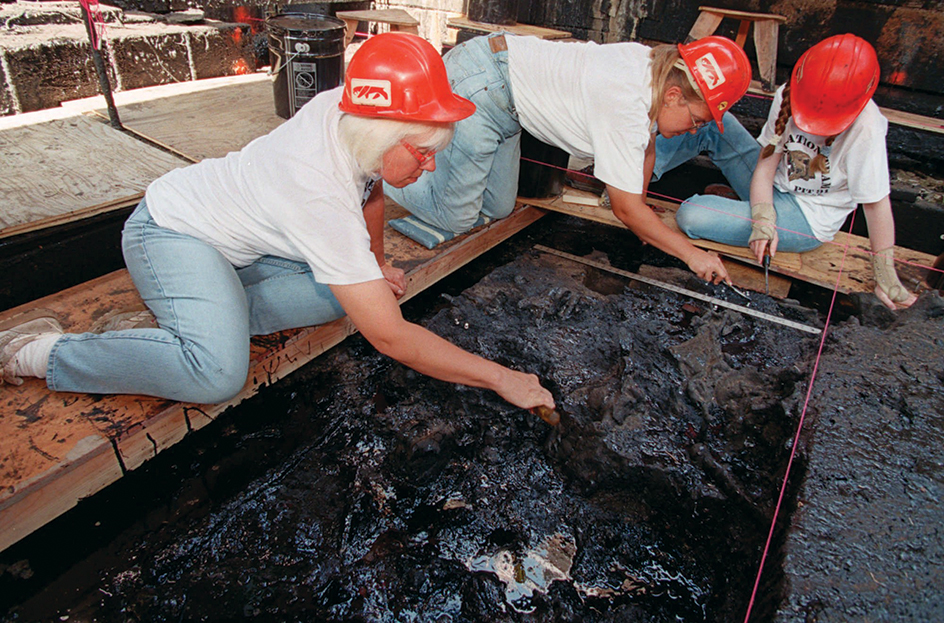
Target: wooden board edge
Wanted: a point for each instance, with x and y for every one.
(70, 217)
(35, 504)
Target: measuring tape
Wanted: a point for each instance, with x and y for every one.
(678, 290)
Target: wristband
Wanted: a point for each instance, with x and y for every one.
(883, 265)
(765, 218)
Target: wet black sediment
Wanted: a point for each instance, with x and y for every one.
(359, 490)
(866, 543)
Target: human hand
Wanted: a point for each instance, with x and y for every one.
(708, 266)
(396, 279)
(524, 390)
(761, 246)
(886, 300)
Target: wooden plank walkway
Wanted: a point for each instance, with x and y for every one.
(71, 167)
(820, 266)
(68, 164)
(57, 448)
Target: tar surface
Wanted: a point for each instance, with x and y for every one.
(378, 494)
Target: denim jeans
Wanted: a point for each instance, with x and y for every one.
(725, 220)
(477, 171)
(206, 310)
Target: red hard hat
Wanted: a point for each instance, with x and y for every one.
(397, 75)
(721, 71)
(831, 84)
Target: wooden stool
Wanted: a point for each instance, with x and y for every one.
(397, 18)
(766, 32)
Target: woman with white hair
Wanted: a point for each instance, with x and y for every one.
(287, 232)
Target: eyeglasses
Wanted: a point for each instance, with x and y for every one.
(421, 158)
(696, 124)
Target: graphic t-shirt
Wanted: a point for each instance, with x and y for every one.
(856, 167)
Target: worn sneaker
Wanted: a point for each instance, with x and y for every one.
(124, 319)
(19, 331)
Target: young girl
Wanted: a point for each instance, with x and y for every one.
(824, 153)
(606, 102)
(287, 232)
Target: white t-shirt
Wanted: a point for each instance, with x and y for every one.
(857, 166)
(590, 100)
(294, 193)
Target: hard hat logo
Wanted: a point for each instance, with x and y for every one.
(710, 72)
(366, 92)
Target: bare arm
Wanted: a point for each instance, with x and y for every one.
(632, 210)
(375, 313)
(374, 217)
(762, 191)
(881, 223)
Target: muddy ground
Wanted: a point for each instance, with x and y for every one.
(358, 490)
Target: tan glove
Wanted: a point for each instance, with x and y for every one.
(883, 265)
(765, 220)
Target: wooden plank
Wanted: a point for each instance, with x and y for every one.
(742, 14)
(387, 16)
(65, 166)
(240, 113)
(766, 37)
(58, 447)
(820, 266)
(706, 24)
(516, 29)
(75, 215)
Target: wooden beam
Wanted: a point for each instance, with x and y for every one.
(820, 266)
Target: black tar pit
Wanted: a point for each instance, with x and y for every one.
(358, 490)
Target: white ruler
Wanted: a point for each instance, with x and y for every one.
(672, 288)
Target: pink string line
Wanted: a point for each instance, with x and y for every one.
(845, 247)
(796, 438)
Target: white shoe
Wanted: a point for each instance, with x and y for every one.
(19, 331)
(124, 319)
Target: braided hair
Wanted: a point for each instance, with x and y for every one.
(818, 165)
(782, 117)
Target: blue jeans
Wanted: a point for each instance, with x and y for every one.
(206, 310)
(478, 171)
(725, 220)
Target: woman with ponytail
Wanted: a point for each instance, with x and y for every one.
(823, 154)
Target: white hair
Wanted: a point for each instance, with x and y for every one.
(369, 138)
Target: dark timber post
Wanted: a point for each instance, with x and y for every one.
(103, 82)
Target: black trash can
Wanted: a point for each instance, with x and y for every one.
(306, 56)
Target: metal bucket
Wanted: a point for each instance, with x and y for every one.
(306, 56)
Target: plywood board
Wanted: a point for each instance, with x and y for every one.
(56, 447)
(65, 166)
(208, 123)
(821, 266)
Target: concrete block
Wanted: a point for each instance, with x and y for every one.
(43, 75)
(222, 50)
(147, 58)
